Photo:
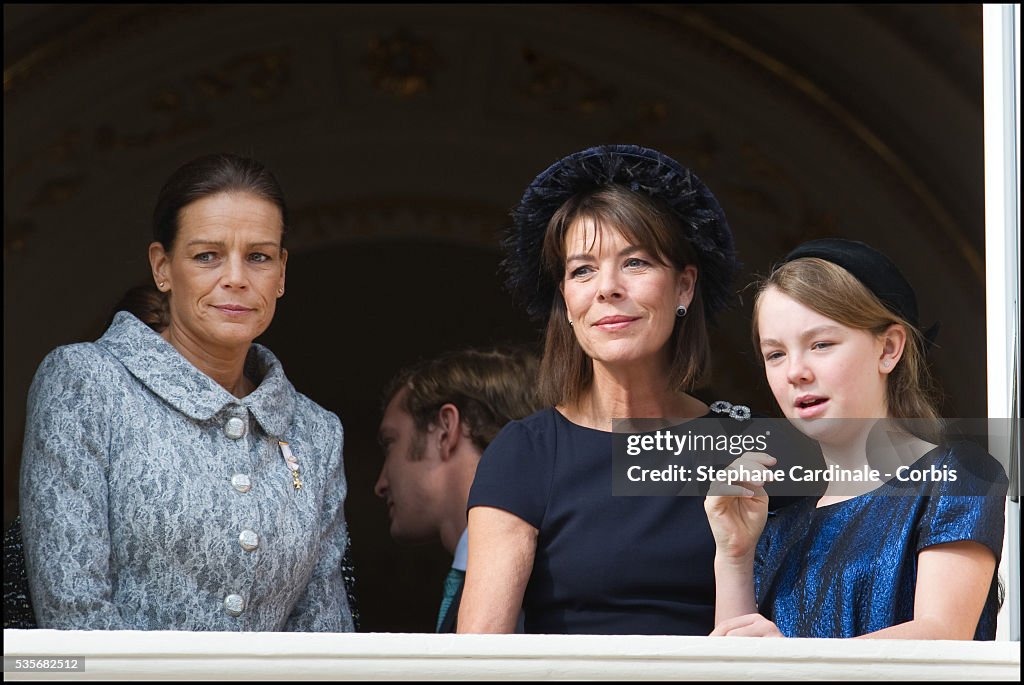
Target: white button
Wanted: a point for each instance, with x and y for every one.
(234, 428)
(249, 540)
(241, 482)
(234, 605)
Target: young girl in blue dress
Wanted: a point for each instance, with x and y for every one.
(908, 557)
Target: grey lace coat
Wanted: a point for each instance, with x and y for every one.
(144, 509)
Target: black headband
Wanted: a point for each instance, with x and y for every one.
(874, 270)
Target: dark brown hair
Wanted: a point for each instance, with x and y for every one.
(490, 388)
(147, 304)
(209, 175)
(566, 371)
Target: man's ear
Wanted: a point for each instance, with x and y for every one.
(449, 429)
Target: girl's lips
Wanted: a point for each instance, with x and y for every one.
(811, 411)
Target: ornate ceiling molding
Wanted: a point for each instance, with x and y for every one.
(810, 92)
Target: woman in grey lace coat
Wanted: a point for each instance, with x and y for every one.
(177, 480)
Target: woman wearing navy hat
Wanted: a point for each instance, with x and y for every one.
(626, 254)
(911, 550)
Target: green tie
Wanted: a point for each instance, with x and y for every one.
(452, 583)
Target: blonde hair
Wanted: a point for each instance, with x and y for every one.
(832, 291)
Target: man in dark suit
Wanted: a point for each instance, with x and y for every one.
(439, 416)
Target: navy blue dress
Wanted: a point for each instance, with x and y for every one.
(850, 568)
(604, 564)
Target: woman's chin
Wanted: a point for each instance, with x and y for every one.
(613, 356)
(233, 335)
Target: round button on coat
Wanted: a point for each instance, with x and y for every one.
(234, 428)
(249, 540)
(234, 605)
(241, 482)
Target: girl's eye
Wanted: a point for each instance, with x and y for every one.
(772, 356)
(821, 345)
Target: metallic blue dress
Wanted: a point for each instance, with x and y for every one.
(851, 568)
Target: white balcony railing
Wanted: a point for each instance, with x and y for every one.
(128, 655)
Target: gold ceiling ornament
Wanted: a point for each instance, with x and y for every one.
(402, 64)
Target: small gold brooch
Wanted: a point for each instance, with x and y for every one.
(292, 462)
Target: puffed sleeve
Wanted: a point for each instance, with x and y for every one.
(64, 491)
(515, 474)
(971, 507)
(323, 606)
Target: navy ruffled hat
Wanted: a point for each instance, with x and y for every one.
(872, 268)
(641, 170)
